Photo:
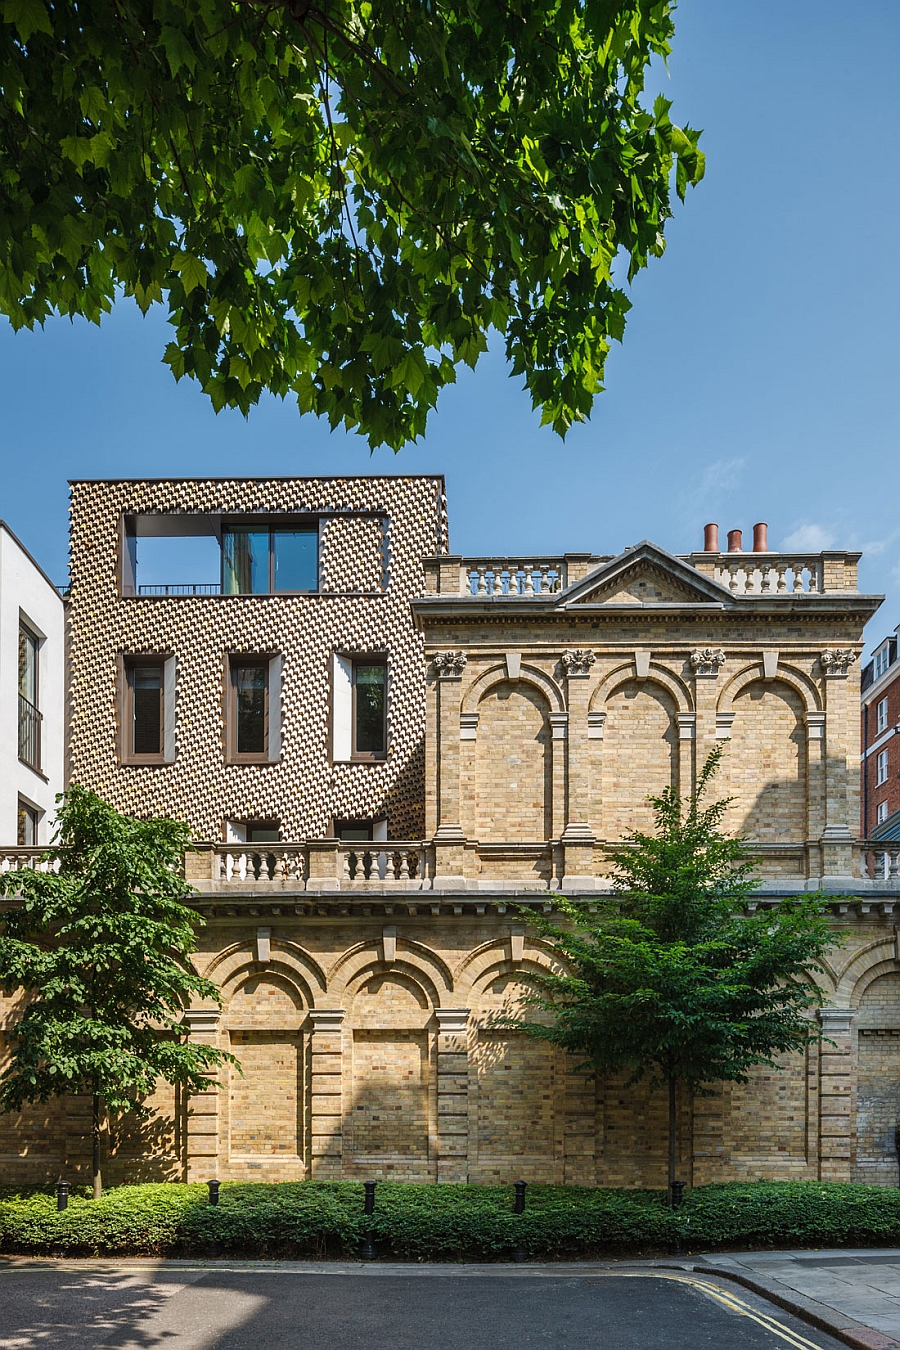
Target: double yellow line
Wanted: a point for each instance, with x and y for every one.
(727, 1300)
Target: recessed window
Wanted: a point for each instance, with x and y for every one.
(883, 715)
(29, 715)
(360, 707)
(881, 813)
(882, 660)
(264, 561)
(148, 728)
(881, 767)
(27, 825)
(252, 701)
(252, 831)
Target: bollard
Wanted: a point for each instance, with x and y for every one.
(519, 1254)
(213, 1192)
(367, 1251)
(676, 1194)
(62, 1194)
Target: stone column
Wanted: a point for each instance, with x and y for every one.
(452, 1094)
(578, 837)
(841, 764)
(816, 814)
(202, 1108)
(326, 1094)
(324, 865)
(559, 729)
(687, 730)
(448, 837)
(837, 1126)
(706, 662)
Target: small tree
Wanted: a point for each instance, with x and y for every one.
(671, 977)
(100, 948)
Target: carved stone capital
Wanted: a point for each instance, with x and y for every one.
(706, 660)
(449, 665)
(577, 662)
(837, 660)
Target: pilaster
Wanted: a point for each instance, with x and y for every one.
(837, 1129)
(326, 1094)
(452, 1094)
(202, 1108)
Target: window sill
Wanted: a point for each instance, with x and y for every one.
(362, 759)
(232, 763)
(33, 769)
(149, 763)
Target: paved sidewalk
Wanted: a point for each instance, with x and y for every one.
(855, 1295)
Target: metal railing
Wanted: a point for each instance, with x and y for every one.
(183, 588)
(29, 733)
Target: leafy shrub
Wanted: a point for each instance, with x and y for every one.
(448, 1222)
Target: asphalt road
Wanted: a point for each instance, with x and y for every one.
(230, 1306)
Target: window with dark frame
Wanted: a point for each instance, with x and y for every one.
(248, 713)
(353, 831)
(26, 825)
(29, 715)
(144, 711)
(263, 831)
(269, 560)
(369, 708)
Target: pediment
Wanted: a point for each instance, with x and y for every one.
(645, 575)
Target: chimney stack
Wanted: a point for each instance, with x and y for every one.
(711, 538)
(760, 537)
(734, 541)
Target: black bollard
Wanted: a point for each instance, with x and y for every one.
(213, 1191)
(367, 1251)
(676, 1194)
(519, 1253)
(62, 1194)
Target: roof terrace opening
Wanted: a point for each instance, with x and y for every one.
(178, 555)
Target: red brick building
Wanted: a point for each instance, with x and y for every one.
(880, 740)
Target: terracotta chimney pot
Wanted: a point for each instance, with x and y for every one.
(711, 538)
(734, 541)
(760, 537)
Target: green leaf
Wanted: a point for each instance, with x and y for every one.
(28, 17)
(191, 270)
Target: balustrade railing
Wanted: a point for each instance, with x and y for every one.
(394, 864)
(23, 858)
(881, 861)
(182, 588)
(262, 862)
(512, 576)
(770, 574)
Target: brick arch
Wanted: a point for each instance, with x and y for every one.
(305, 969)
(483, 964)
(527, 675)
(789, 675)
(877, 958)
(624, 674)
(426, 966)
(276, 972)
(404, 971)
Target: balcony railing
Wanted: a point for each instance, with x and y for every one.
(29, 733)
(183, 588)
(512, 576)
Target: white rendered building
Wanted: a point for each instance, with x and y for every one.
(32, 696)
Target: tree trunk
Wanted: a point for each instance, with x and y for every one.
(672, 1132)
(95, 1141)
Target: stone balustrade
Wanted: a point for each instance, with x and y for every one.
(335, 865)
(512, 576)
(770, 573)
(20, 859)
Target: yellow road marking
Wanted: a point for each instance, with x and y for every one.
(728, 1300)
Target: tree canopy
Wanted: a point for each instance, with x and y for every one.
(678, 975)
(100, 946)
(339, 200)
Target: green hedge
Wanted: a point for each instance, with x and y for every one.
(445, 1223)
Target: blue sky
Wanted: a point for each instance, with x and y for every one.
(757, 380)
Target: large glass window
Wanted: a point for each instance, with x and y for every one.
(369, 683)
(265, 562)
